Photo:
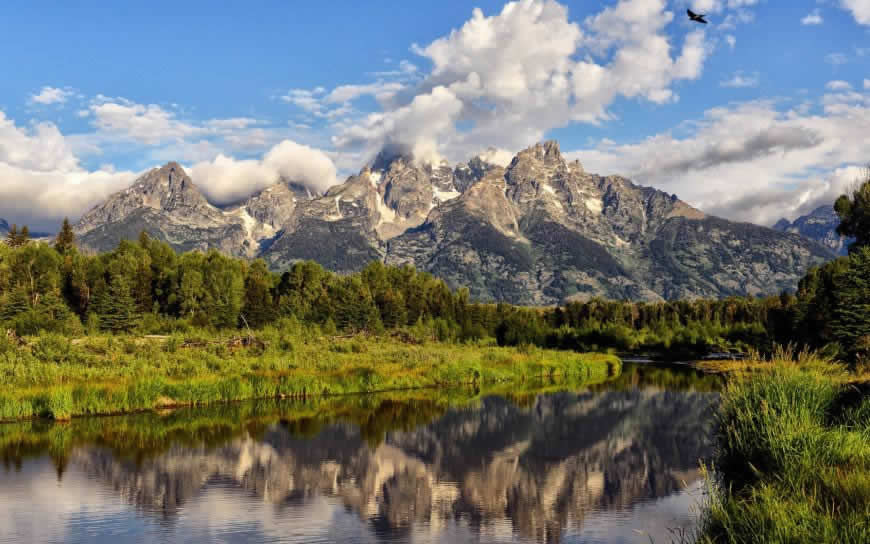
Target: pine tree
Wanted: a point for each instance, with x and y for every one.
(65, 240)
(115, 308)
(12, 236)
(23, 236)
(854, 212)
(851, 312)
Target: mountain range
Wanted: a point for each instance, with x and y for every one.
(819, 225)
(540, 231)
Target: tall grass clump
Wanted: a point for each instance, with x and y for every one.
(793, 457)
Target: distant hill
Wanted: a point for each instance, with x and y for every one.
(819, 225)
(540, 231)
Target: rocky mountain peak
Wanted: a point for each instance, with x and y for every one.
(4, 226)
(166, 188)
(547, 153)
(389, 155)
(820, 225)
(541, 231)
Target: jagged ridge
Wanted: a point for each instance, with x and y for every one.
(541, 231)
(820, 225)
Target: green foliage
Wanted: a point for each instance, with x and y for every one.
(54, 376)
(794, 459)
(64, 242)
(854, 212)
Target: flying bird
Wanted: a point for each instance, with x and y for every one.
(695, 17)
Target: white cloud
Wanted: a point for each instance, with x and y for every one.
(838, 85)
(717, 6)
(380, 90)
(500, 157)
(860, 10)
(41, 148)
(752, 161)
(867, 84)
(836, 58)
(813, 18)
(506, 79)
(731, 41)
(741, 80)
(146, 124)
(306, 99)
(42, 178)
(226, 180)
(51, 95)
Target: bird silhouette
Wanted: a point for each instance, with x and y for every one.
(695, 17)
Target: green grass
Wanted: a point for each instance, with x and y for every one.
(793, 459)
(57, 377)
(149, 434)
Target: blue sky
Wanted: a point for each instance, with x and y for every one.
(754, 116)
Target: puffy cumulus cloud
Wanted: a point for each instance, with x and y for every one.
(41, 198)
(42, 180)
(741, 80)
(151, 124)
(867, 84)
(226, 180)
(754, 161)
(813, 18)
(42, 148)
(731, 41)
(860, 10)
(506, 79)
(146, 124)
(51, 95)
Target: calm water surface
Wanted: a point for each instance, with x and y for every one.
(612, 463)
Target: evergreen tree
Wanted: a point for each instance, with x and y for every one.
(23, 236)
(258, 308)
(116, 306)
(854, 212)
(65, 240)
(12, 236)
(851, 312)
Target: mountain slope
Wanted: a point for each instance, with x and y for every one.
(540, 231)
(4, 227)
(819, 225)
(167, 204)
(543, 231)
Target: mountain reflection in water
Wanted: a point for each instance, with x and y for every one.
(614, 463)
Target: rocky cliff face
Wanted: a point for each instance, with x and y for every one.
(544, 231)
(820, 225)
(541, 231)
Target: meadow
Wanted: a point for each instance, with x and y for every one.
(57, 376)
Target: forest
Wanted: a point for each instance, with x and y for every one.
(144, 287)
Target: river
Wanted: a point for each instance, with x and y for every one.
(617, 462)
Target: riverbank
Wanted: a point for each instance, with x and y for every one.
(793, 461)
(59, 377)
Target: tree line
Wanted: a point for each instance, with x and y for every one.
(145, 285)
